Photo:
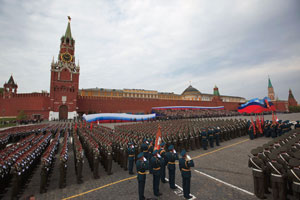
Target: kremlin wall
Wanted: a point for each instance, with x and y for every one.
(66, 101)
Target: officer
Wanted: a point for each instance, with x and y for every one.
(204, 139)
(155, 165)
(109, 158)
(297, 126)
(141, 166)
(217, 135)
(258, 169)
(171, 156)
(211, 137)
(96, 162)
(185, 163)
(131, 154)
(150, 151)
(251, 130)
(294, 176)
(164, 163)
(278, 177)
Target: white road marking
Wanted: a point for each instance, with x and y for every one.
(179, 191)
(228, 184)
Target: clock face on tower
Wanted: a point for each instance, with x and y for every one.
(66, 57)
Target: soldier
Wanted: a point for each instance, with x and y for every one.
(204, 139)
(155, 165)
(141, 166)
(278, 177)
(109, 159)
(251, 130)
(185, 163)
(297, 126)
(79, 165)
(210, 137)
(44, 174)
(164, 163)
(96, 154)
(217, 135)
(294, 176)
(131, 154)
(258, 168)
(171, 156)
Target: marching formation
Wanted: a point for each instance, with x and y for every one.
(276, 165)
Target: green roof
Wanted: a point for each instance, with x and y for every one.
(68, 33)
(270, 84)
(216, 91)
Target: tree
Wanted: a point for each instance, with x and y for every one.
(21, 115)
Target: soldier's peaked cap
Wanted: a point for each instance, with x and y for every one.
(183, 152)
(171, 147)
(273, 156)
(254, 151)
(260, 149)
(297, 155)
(155, 152)
(140, 155)
(293, 162)
(162, 144)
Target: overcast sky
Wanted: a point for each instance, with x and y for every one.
(157, 44)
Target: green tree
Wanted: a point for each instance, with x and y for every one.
(21, 115)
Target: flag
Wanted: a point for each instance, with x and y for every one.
(253, 125)
(91, 126)
(158, 139)
(75, 126)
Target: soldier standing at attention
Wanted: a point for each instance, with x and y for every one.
(185, 163)
(141, 166)
(294, 176)
(155, 164)
(204, 139)
(96, 154)
(297, 126)
(171, 157)
(164, 163)
(211, 137)
(258, 168)
(131, 154)
(278, 176)
(217, 135)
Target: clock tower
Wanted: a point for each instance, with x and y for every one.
(64, 80)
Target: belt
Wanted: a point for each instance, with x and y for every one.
(296, 183)
(131, 155)
(203, 137)
(171, 163)
(277, 175)
(257, 170)
(158, 168)
(142, 173)
(186, 170)
(145, 151)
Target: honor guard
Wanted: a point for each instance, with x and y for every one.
(141, 166)
(204, 139)
(294, 176)
(164, 163)
(155, 165)
(131, 154)
(185, 164)
(171, 156)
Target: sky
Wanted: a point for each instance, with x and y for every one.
(161, 45)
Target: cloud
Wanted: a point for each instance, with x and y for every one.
(157, 45)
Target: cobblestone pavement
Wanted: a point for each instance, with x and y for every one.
(228, 163)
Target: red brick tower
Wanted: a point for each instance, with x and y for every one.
(271, 93)
(10, 88)
(216, 97)
(292, 101)
(64, 80)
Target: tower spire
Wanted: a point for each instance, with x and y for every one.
(269, 82)
(68, 33)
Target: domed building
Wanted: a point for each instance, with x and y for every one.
(191, 93)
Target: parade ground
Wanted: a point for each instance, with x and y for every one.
(220, 173)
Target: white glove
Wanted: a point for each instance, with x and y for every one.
(158, 156)
(145, 159)
(174, 151)
(188, 157)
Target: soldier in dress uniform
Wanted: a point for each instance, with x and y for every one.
(96, 154)
(251, 130)
(217, 132)
(109, 159)
(278, 177)
(258, 169)
(141, 166)
(44, 174)
(155, 165)
(171, 157)
(297, 125)
(164, 163)
(210, 137)
(294, 176)
(204, 139)
(185, 163)
(131, 154)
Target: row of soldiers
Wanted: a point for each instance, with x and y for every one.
(270, 128)
(276, 165)
(78, 157)
(47, 161)
(24, 165)
(63, 161)
(156, 163)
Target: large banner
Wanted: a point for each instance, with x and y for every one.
(257, 106)
(186, 107)
(116, 117)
